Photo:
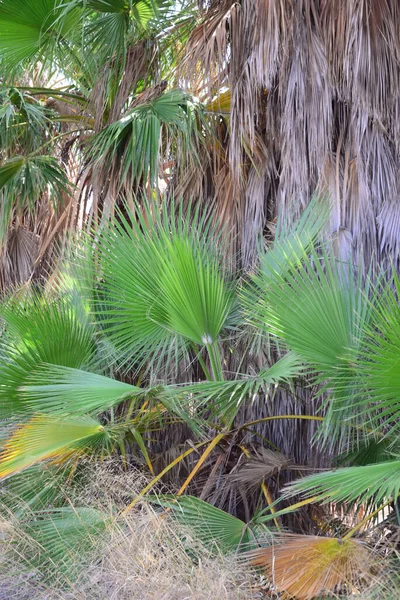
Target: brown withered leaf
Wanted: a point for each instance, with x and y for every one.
(304, 566)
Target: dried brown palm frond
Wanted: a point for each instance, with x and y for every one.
(272, 27)
(210, 184)
(319, 83)
(303, 567)
(141, 555)
(135, 67)
(208, 43)
(220, 104)
(29, 246)
(265, 463)
(253, 219)
(22, 251)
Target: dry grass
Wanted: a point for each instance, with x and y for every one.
(143, 556)
(148, 560)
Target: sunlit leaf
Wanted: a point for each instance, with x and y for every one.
(28, 29)
(45, 437)
(40, 330)
(175, 289)
(62, 391)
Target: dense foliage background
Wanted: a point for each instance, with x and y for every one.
(199, 273)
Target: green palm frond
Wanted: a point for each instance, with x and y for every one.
(24, 121)
(320, 310)
(164, 288)
(378, 365)
(369, 450)
(319, 313)
(108, 31)
(23, 181)
(37, 322)
(10, 169)
(225, 398)
(135, 139)
(292, 244)
(44, 437)
(30, 30)
(40, 330)
(216, 529)
(146, 11)
(57, 541)
(66, 391)
(375, 483)
(108, 6)
(196, 296)
(36, 175)
(36, 488)
(292, 241)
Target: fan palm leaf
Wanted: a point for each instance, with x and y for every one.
(10, 169)
(136, 137)
(377, 483)
(325, 331)
(378, 386)
(306, 566)
(24, 180)
(44, 437)
(259, 467)
(175, 288)
(225, 398)
(320, 311)
(371, 449)
(66, 391)
(29, 31)
(217, 529)
(24, 121)
(52, 539)
(36, 488)
(33, 327)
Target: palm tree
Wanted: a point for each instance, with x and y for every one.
(291, 80)
(84, 117)
(113, 314)
(179, 303)
(255, 71)
(294, 100)
(304, 99)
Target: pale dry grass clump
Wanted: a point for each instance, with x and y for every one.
(149, 559)
(143, 555)
(145, 558)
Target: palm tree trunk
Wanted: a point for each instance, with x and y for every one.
(314, 109)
